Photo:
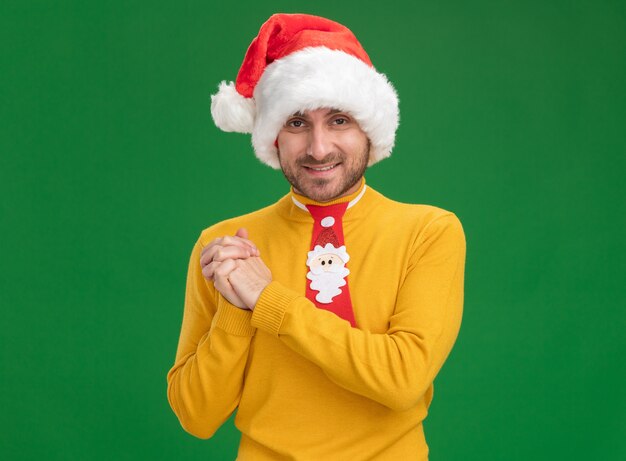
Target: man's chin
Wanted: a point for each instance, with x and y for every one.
(320, 190)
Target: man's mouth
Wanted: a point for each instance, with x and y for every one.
(321, 168)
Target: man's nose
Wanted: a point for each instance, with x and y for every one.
(320, 142)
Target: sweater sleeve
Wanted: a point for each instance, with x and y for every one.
(397, 367)
(204, 386)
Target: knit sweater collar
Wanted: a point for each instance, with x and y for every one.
(301, 201)
(293, 205)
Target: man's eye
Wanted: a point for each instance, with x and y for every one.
(340, 121)
(296, 123)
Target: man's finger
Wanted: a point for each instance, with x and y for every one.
(232, 252)
(208, 271)
(220, 253)
(208, 252)
(236, 240)
(227, 241)
(242, 232)
(223, 269)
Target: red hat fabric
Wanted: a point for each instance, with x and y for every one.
(302, 62)
(327, 235)
(283, 34)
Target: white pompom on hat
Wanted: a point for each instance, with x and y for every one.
(300, 62)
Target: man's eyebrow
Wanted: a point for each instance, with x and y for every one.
(330, 112)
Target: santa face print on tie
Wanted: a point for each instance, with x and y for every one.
(327, 271)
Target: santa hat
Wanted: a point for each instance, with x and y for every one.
(300, 62)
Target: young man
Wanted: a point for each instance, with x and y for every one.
(325, 317)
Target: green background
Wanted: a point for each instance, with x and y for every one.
(512, 116)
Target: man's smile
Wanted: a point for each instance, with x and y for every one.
(322, 167)
(321, 170)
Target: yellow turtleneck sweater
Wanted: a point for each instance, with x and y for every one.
(306, 384)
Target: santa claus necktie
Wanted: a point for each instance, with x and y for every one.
(327, 279)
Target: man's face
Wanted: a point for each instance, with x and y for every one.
(323, 153)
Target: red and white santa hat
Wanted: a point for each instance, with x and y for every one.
(300, 62)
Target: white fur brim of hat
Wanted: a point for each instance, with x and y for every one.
(309, 79)
(325, 250)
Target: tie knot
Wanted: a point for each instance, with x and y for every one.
(329, 215)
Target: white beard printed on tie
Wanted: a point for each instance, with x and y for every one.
(327, 270)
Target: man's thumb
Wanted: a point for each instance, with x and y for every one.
(242, 232)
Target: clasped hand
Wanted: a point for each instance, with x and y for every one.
(234, 265)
